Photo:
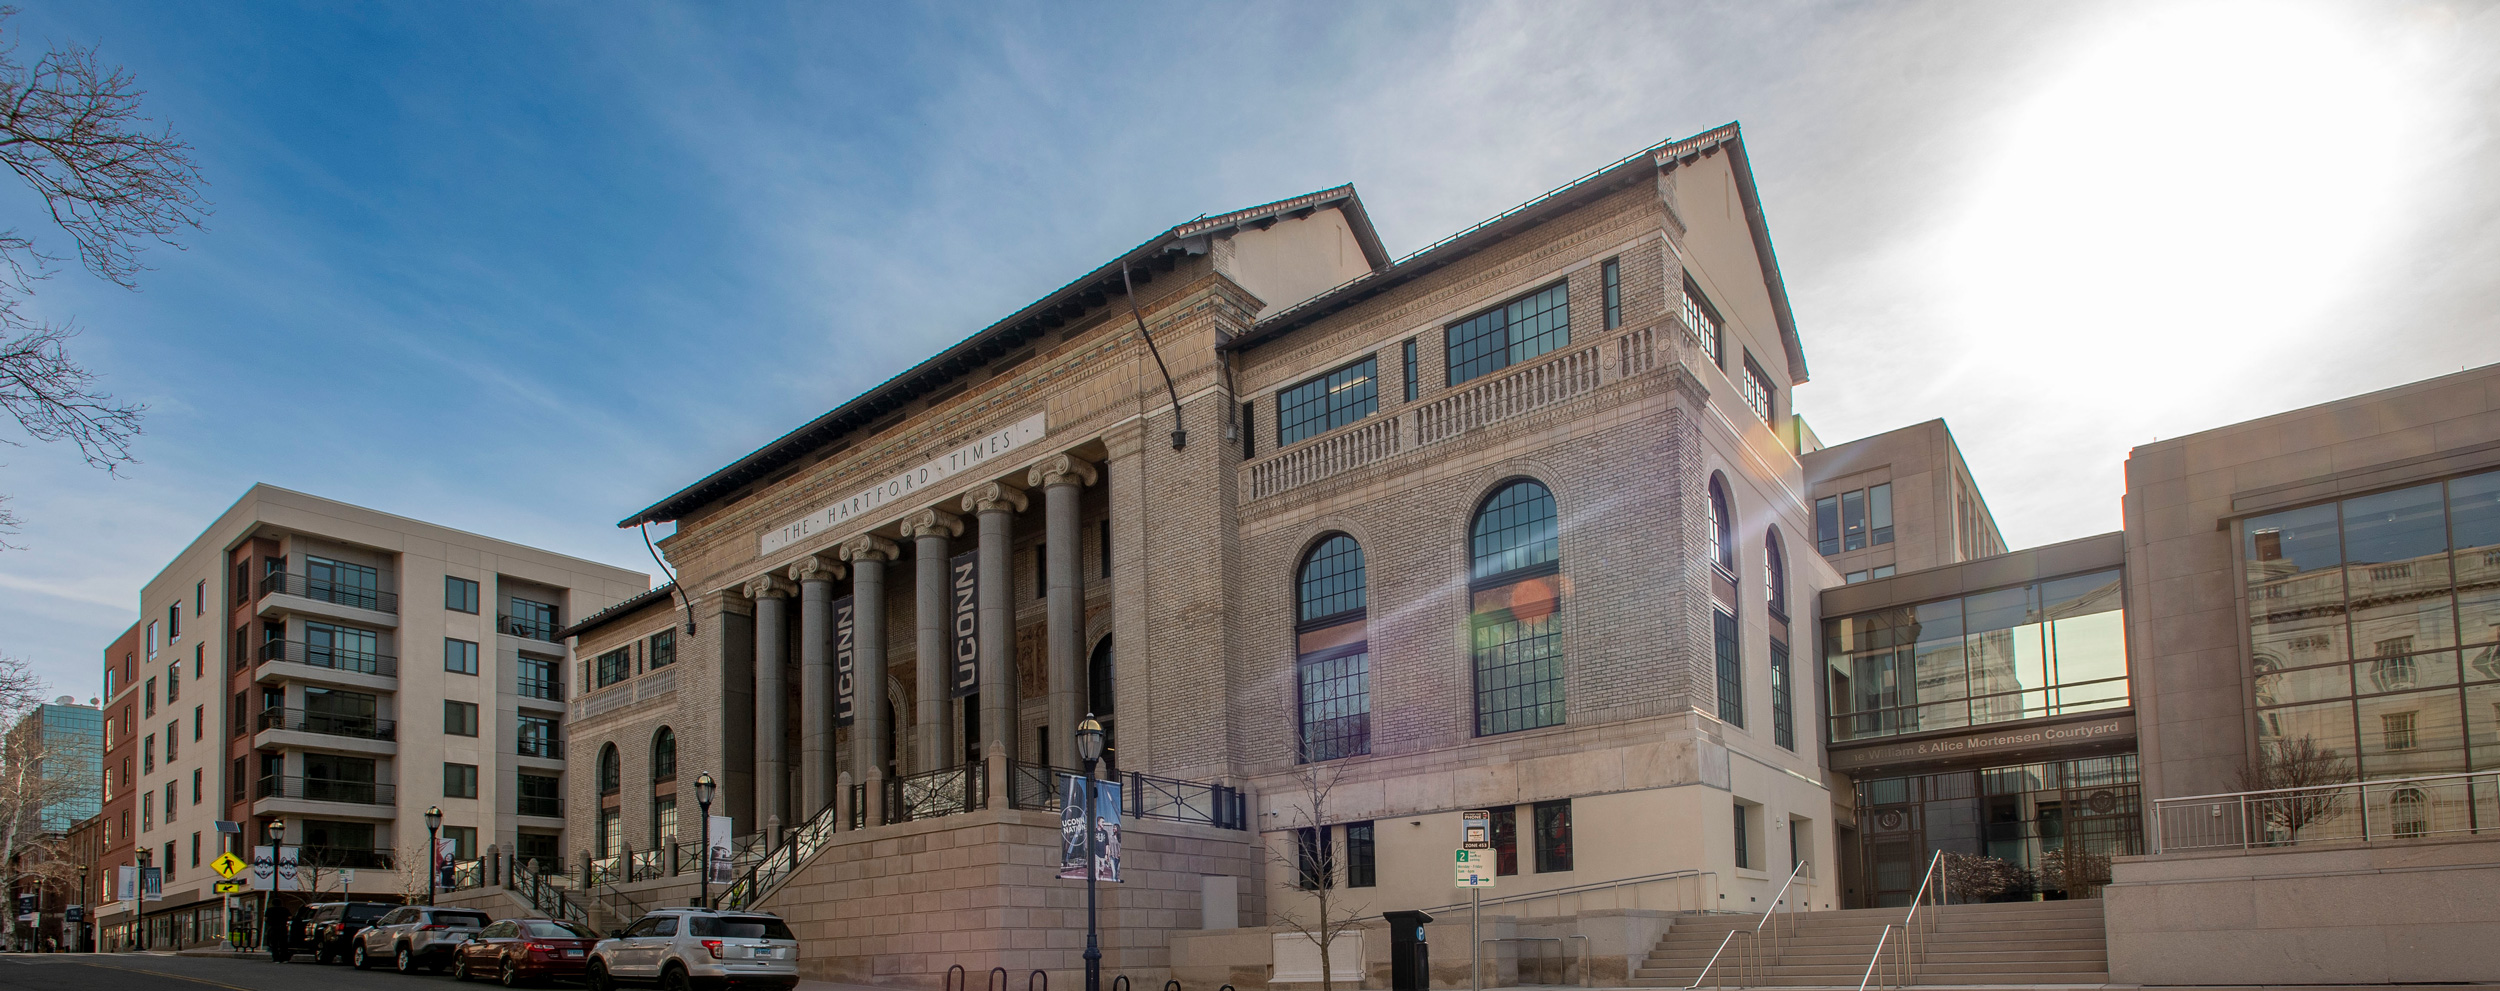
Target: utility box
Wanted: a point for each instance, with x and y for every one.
(1410, 957)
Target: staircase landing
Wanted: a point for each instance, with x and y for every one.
(1997, 944)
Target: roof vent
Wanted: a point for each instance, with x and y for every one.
(66, 700)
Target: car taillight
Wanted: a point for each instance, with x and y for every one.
(712, 945)
(538, 947)
(432, 928)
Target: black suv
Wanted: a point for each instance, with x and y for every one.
(328, 929)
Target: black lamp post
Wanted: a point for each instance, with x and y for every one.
(433, 849)
(83, 921)
(140, 916)
(1089, 749)
(703, 786)
(275, 830)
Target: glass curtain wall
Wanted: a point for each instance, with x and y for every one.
(2059, 822)
(2050, 648)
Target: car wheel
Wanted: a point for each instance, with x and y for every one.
(508, 976)
(674, 979)
(460, 968)
(405, 962)
(357, 957)
(595, 977)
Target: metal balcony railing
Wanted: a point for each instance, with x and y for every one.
(334, 658)
(541, 688)
(325, 590)
(548, 748)
(328, 790)
(547, 808)
(2375, 811)
(352, 858)
(942, 792)
(329, 724)
(526, 627)
(468, 874)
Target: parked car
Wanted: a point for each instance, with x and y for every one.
(682, 949)
(414, 936)
(326, 929)
(523, 951)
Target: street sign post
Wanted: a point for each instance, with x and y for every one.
(1475, 830)
(1475, 873)
(231, 887)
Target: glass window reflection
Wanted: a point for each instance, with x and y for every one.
(2016, 653)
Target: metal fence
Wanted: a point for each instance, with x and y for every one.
(930, 794)
(2352, 812)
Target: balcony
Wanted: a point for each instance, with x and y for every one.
(329, 724)
(283, 593)
(544, 808)
(351, 858)
(526, 627)
(277, 790)
(539, 747)
(533, 691)
(377, 664)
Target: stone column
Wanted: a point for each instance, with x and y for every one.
(997, 505)
(815, 574)
(934, 727)
(868, 554)
(1061, 480)
(772, 714)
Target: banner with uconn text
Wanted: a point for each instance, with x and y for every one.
(1072, 828)
(845, 660)
(963, 588)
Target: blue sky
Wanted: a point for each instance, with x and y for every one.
(525, 268)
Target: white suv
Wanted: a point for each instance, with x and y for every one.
(697, 949)
(414, 936)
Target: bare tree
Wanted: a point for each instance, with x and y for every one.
(71, 128)
(416, 865)
(2296, 763)
(1310, 874)
(37, 770)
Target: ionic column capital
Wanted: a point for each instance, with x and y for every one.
(770, 587)
(869, 547)
(996, 497)
(816, 568)
(1063, 469)
(933, 523)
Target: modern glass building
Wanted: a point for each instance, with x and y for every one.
(67, 743)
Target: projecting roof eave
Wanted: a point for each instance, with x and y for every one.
(998, 339)
(616, 612)
(1563, 199)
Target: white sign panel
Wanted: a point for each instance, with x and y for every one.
(125, 884)
(1475, 868)
(718, 849)
(906, 488)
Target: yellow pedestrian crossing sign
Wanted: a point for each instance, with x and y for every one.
(228, 865)
(232, 887)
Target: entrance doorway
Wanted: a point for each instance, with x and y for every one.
(2060, 822)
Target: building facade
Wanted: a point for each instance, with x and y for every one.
(117, 826)
(358, 669)
(1902, 500)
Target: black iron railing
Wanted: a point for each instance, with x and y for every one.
(527, 627)
(325, 590)
(335, 658)
(546, 747)
(1035, 786)
(930, 794)
(545, 808)
(551, 895)
(352, 858)
(551, 689)
(1186, 801)
(468, 874)
(328, 790)
(329, 724)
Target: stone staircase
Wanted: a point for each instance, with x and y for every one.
(1999, 943)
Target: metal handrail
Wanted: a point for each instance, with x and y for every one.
(2312, 805)
(1776, 901)
(1577, 889)
(1878, 958)
(1909, 936)
(1748, 960)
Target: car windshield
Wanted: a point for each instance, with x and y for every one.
(459, 918)
(741, 927)
(366, 913)
(558, 930)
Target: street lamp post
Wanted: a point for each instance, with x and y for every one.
(1089, 749)
(275, 936)
(80, 942)
(703, 786)
(139, 903)
(433, 848)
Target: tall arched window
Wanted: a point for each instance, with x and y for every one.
(611, 838)
(1723, 603)
(663, 788)
(2410, 812)
(1775, 598)
(1514, 571)
(1332, 648)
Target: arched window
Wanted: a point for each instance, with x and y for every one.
(611, 838)
(1722, 526)
(1514, 570)
(1332, 649)
(2409, 811)
(1723, 604)
(1775, 597)
(663, 788)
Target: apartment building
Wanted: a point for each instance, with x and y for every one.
(1514, 524)
(1901, 500)
(117, 826)
(330, 672)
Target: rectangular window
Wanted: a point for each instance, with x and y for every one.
(1249, 433)
(1505, 840)
(1414, 381)
(459, 781)
(1704, 321)
(1361, 870)
(663, 649)
(173, 682)
(151, 640)
(1881, 571)
(1853, 520)
(147, 755)
(1317, 405)
(173, 740)
(1783, 720)
(463, 841)
(195, 785)
(1879, 512)
(1731, 669)
(459, 718)
(1315, 862)
(1613, 274)
(1744, 852)
(1853, 578)
(1334, 695)
(459, 656)
(2397, 727)
(459, 595)
(151, 698)
(532, 619)
(199, 598)
(1553, 836)
(615, 666)
(1508, 334)
(1756, 389)
(541, 795)
(537, 737)
(147, 811)
(343, 583)
(540, 678)
(173, 622)
(195, 848)
(199, 660)
(171, 802)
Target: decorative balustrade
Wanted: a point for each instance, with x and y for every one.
(646, 865)
(930, 794)
(468, 874)
(606, 870)
(761, 880)
(1331, 454)
(1502, 397)
(550, 895)
(1187, 801)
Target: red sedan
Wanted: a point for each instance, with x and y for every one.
(519, 951)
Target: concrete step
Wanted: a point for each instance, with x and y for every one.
(2090, 941)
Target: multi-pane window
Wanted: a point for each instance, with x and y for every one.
(463, 841)
(459, 718)
(1553, 836)
(342, 582)
(1744, 845)
(662, 650)
(1612, 272)
(173, 740)
(1508, 334)
(459, 780)
(459, 656)
(150, 708)
(2056, 647)
(459, 594)
(1514, 563)
(540, 795)
(611, 776)
(536, 737)
(664, 755)
(1318, 405)
(1704, 320)
(615, 666)
(1853, 520)
(2396, 728)
(173, 682)
(1722, 527)
(1774, 574)
(540, 678)
(531, 618)
(343, 647)
(1361, 858)
(1315, 861)
(1731, 667)
(1414, 382)
(1755, 387)
(1333, 654)
(1505, 840)
(1783, 717)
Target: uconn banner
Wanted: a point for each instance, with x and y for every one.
(845, 656)
(963, 586)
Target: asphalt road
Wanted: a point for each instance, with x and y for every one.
(143, 972)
